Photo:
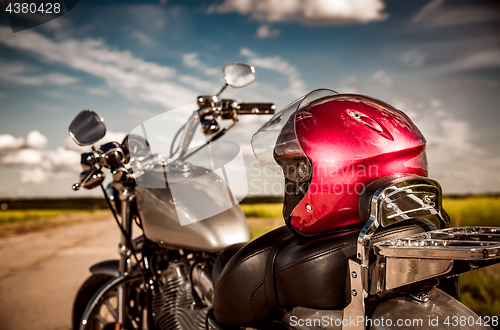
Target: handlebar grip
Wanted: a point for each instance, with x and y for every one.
(256, 109)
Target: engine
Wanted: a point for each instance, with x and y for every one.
(185, 296)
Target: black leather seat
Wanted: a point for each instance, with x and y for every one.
(305, 272)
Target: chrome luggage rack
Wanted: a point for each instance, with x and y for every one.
(447, 251)
(399, 262)
(464, 243)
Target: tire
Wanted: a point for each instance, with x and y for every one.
(86, 292)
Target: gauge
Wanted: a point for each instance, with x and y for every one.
(135, 146)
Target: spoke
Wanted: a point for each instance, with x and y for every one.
(111, 309)
(133, 322)
(101, 320)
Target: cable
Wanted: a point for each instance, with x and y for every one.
(129, 242)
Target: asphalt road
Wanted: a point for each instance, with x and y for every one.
(41, 272)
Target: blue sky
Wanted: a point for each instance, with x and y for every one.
(439, 61)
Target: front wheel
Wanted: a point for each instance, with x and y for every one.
(83, 297)
(105, 314)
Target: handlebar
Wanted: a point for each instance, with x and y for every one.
(90, 174)
(256, 109)
(111, 156)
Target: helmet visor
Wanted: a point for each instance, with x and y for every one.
(277, 138)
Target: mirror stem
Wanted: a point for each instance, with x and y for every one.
(222, 89)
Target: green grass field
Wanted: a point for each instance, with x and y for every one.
(14, 222)
(10, 216)
(480, 288)
(471, 211)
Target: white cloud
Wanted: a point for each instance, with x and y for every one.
(133, 77)
(191, 60)
(437, 14)
(113, 137)
(98, 91)
(22, 157)
(346, 85)
(435, 102)
(485, 59)
(413, 58)
(35, 175)
(265, 31)
(247, 52)
(212, 71)
(428, 9)
(448, 138)
(7, 141)
(62, 159)
(297, 86)
(21, 74)
(54, 164)
(143, 38)
(110, 136)
(37, 165)
(473, 84)
(199, 84)
(455, 159)
(349, 80)
(149, 16)
(141, 112)
(383, 78)
(36, 140)
(309, 12)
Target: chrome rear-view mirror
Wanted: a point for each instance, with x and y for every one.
(87, 128)
(239, 74)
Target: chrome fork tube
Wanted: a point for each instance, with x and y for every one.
(126, 197)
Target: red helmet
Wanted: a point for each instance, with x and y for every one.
(329, 147)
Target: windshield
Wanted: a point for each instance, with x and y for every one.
(201, 182)
(278, 138)
(160, 131)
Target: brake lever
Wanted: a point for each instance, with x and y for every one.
(78, 185)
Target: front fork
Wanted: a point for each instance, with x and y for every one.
(126, 197)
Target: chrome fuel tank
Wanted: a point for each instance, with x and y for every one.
(189, 207)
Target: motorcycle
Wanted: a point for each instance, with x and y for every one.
(387, 259)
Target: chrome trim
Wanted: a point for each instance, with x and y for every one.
(356, 306)
(397, 200)
(399, 272)
(394, 202)
(420, 297)
(187, 136)
(74, 122)
(462, 243)
(202, 283)
(110, 285)
(204, 101)
(93, 176)
(95, 180)
(419, 257)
